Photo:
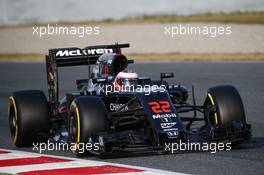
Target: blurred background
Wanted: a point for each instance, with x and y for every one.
(32, 11)
(236, 59)
(139, 22)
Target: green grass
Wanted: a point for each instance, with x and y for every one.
(236, 17)
(22, 57)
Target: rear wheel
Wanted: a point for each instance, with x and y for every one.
(87, 117)
(28, 117)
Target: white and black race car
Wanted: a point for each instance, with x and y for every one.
(120, 110)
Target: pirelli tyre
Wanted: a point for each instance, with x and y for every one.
(87, 117)
(28, 113)
(224, 112)
(226, 106)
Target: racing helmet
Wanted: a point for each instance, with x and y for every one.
(109, 64)
(125, 80)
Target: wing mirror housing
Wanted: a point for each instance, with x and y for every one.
(100, 80)
(166, 75)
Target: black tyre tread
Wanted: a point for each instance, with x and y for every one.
(229, 105)
(92, 113)
(33, 116)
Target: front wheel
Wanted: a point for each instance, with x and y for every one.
(87, 117)
(226, 106)
(224, 113)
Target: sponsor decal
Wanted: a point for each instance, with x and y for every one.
(166, 120)
(173, 133)
(167, 125)
(117, 106)
(80, 52)
(171, 129)
(168, 115)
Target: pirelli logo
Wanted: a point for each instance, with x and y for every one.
(80, 52)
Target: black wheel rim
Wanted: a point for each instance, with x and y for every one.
(12, 122)
(209, 114)
(73, 128)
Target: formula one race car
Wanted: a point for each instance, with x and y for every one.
(119, 110)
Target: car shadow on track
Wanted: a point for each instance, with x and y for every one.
(256, 143)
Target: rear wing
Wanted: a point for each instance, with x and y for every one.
(73, 56)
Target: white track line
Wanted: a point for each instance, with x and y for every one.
(47, 166)
(74, 163)
(15, 156)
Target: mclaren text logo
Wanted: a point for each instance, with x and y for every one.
(168, 115)
(79, 52)
(167, 125)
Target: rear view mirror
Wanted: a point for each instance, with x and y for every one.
(100, 80)
(166, 75)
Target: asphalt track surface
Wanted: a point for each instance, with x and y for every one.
(247, 77)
